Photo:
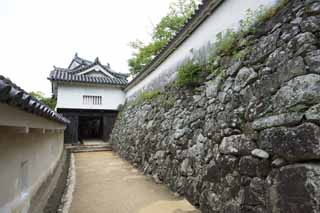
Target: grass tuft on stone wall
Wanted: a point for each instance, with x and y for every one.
(188, 74)
(146, 96)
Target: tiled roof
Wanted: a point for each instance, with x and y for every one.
(72, 75)
(81, 61)
(66, 76)
(204, 10)
(13, 95)
(92, 64)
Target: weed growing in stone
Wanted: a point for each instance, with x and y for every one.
(225, 42)
(168, 102)
(265, 14)
(189, 74)
(146, 96)
(149, 95)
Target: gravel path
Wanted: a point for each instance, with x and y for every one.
(107, 184)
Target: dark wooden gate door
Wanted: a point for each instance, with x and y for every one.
(90, 127)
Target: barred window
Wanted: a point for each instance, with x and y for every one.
(92, 100)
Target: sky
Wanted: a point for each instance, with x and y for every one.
(35, 35)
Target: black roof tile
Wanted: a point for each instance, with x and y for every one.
(72, 75)
(13, 95)
(65, 76)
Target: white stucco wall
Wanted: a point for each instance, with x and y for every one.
(71, 97)
(27, 158)
(227, 15)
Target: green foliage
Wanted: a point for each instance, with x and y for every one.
(164, 100)
(262, 14)
(144, 55)
(168, 103)
(179, 12)
(50, 102)
(189, 74)
(228, 41)
(149, 95)
(241, 54)
(145, 96)
(225, 42)
(266, 13)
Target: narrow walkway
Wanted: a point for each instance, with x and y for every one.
(107, 184)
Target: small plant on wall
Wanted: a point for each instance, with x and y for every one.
(189, 74)
(149, 95)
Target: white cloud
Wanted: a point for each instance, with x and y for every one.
(37, 34)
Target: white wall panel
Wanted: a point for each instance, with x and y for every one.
(71, 97)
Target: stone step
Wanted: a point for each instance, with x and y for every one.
(94, 143)
(102, 149)
(89, 148)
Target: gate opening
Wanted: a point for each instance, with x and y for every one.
(90, 128)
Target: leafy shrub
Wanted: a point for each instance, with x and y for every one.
(189, 74)
(225, 42)
(266, 13)
(262, 14)
(145, 96)
(50, 102)
(149, 95)
(248, 22)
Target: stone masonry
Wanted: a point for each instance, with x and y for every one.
(248, 138)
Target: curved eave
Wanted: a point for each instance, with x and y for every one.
(122, 86)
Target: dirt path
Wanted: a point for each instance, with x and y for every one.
(107, 184)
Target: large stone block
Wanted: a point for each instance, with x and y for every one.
(311, 24)
(295, 189)
(292, 143)
(254, 193)
(237, 145)
(300, 90)
(244, 77)
(277, 120)
(264, 47)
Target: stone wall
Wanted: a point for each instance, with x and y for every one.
(247, 139)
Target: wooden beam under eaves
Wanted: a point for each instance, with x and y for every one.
(14, 130)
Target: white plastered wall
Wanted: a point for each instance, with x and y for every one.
(27, 156)
(71, 97)
(227, 15)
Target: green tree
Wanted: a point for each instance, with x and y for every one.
(50, 102)
(179, 12)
